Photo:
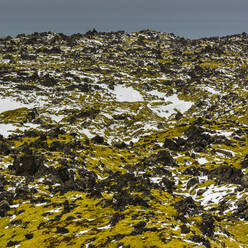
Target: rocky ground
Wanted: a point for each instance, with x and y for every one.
(123, 140)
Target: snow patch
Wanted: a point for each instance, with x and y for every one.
(57, 118)
(104, 227)
(87, 132)
(9, 104)
(54, 210)
(214, 194)
(224, 133)
(157, 93)
(127, 94)
(7, 128)
(82, 232)
(155, 179)
(202, 160)
(211, 90)
(14, 206)
(40, 204)
(174, 105)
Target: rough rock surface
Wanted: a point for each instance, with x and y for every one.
(123, 140)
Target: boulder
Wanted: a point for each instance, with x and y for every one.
(62, 230)
(207, 225)
(170, 144)
(5, 148)
(193, 181)
(4, 208)
(163, 157)
(227, 174)
(27, 164)
(168, 184)
(244, 164)
(244, 181)
(98, 140)
(187, 206)
(13, 243)
(48, 81)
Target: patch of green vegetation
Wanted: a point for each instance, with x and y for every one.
(19, 115)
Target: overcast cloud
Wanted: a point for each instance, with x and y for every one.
(220, 15)
(123, 8)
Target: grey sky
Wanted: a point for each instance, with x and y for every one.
(227, 14)
(122, 8)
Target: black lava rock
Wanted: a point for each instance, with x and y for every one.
(170, 144)
(201, 240)
(162, 157)
(27, 164)
(98, 140)
(62, 230)
(227, 174)
(193, 181)
(12, 243)
(4, 208)
(187, 206)
(207, 225)
(48, 81)
(29, 236)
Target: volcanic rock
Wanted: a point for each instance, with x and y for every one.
(207, 225)
(187, 206)
(227, 174)
(27, 164)
(4, 208)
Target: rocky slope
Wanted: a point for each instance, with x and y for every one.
(123, 140)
